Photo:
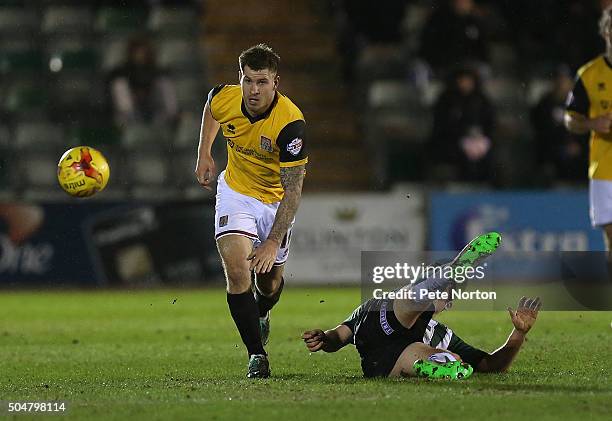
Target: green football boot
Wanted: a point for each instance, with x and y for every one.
(264, 328)
(259, 367)
(477, 250)
(452, 370)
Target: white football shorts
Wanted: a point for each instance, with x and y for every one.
(600, 197)
(239, 214)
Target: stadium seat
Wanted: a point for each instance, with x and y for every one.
(173, 20)
(431, 92)
(73, 92)
(5, 158)
(380, 62)
(39, 135)
(21, 62)
(536, 89)
(5, 136)
(15, 19)
(409, 127)
(179, 55)
(149, 174)
(513, 125)
(63, 19)
(78, 60)
(503, 59)
(39, 169)
(190, 93)
(96, 136)
(112, 53)
(25, 97)
(506, 92)
(188, 131)
(120, 20)
(393, 94)
(415, 18)
(145, 136)
(183, 165)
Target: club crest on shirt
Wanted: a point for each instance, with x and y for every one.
(266, 144)
(223, 220)
(295, 146)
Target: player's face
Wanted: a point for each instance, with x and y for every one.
(258, 89)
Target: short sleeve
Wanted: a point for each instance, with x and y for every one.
(468, 353)
(292, 144)
(578, 99)
(214, 91)
(351, 321)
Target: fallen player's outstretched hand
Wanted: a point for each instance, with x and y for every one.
(314, 339)
(526, 314)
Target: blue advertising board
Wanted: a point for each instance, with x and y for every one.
(90, 244)
(533, 221)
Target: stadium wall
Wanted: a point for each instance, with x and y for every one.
(99, 244)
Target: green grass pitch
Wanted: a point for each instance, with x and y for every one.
(142, 355)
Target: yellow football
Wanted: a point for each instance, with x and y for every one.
(82, 171)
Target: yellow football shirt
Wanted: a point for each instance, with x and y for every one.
(591, 97)
(257, 147)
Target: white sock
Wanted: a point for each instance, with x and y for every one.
(442, 357)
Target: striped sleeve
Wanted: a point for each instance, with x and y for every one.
(439, 336)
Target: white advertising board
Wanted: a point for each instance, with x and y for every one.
(331, 230)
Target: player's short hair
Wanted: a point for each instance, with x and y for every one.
(259, 57)
(605, 20)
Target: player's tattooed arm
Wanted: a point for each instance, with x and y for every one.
(292, 179)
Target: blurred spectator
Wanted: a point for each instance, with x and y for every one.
(361, 22)
(462, 128)
(560, 154)
(140, 91)
(556, 30)
(453, 35)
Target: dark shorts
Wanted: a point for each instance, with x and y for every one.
(380, 339)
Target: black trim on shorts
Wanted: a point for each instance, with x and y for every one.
(244, 233)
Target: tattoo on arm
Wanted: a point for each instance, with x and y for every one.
(292, 179)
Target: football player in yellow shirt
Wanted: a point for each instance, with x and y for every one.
(259, 192)
(589, 109)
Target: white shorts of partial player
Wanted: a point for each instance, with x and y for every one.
(600, 197)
